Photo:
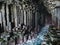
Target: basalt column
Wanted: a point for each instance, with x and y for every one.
(1, 24)
(36, 17)
(15, 15)
(3, 16)
(12, 17)
(7, 15)
(24, 8)
(25, 17)
(21, 18)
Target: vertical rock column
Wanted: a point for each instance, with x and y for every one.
(21, 18)
(20, 14)
(58, 15)
(3, 16)
(52, 11)
(24, 14)
(24, 17)
(33, 16)
(15, 15)
(7, 13)
(29, 17)
(12, 16)
(0, 18)
(36, 18)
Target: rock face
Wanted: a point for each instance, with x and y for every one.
(53, 7)
(15, 12)
(27, 17)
